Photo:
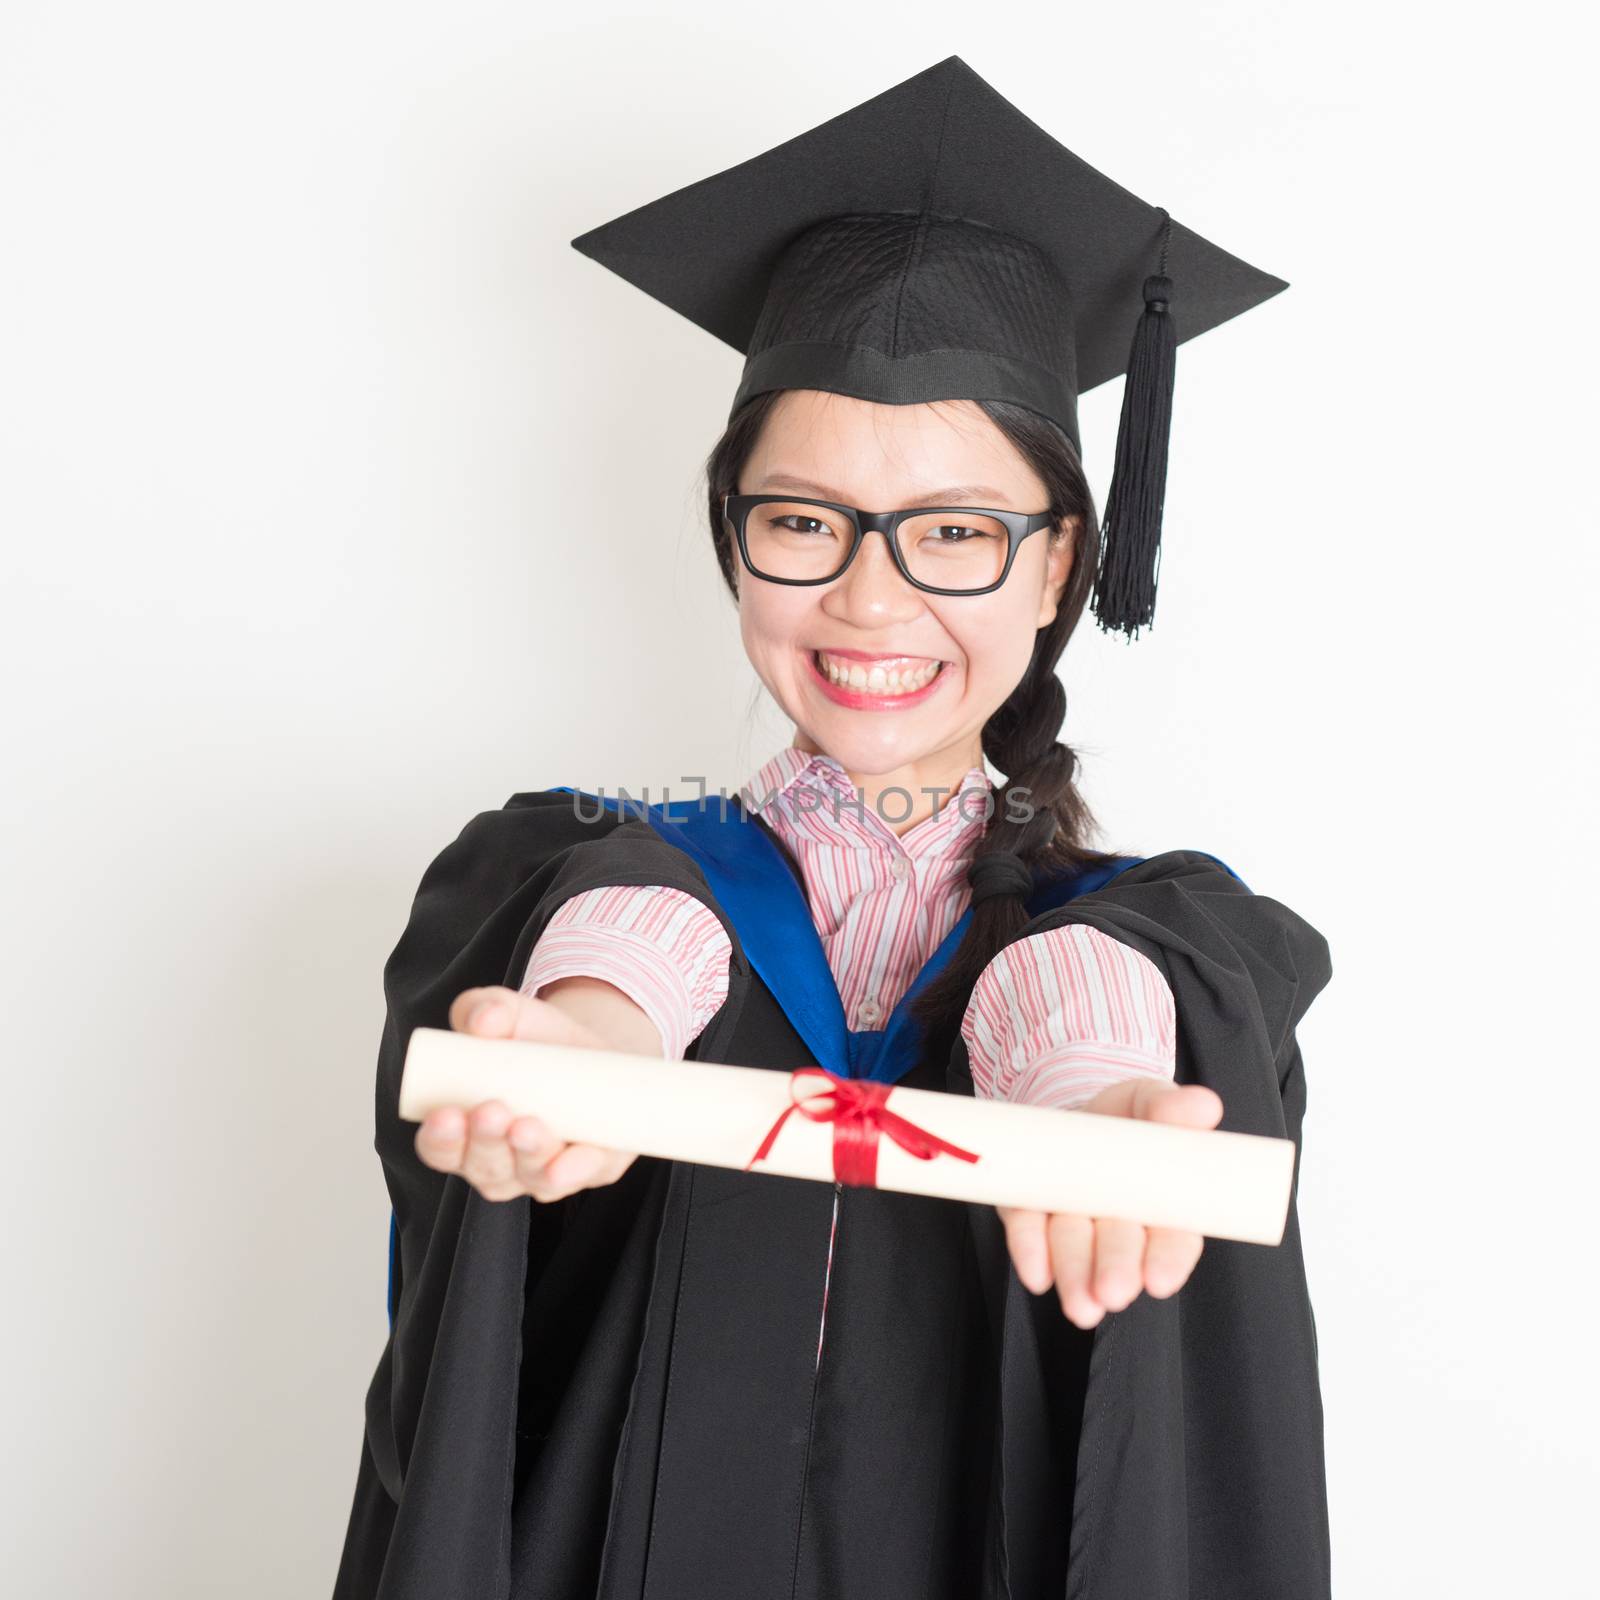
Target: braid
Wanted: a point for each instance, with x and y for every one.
(1021, 741)
(1037, 815)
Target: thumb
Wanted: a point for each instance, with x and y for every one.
(497, 1012)
(551, 1024)
(1189, 1105)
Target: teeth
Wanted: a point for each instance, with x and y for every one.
(876, 679)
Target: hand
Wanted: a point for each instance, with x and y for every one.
(1100, 1264)
(503, 1156)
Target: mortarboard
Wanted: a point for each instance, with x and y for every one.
(936, 243)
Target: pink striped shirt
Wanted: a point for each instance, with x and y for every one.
(1052, 1020)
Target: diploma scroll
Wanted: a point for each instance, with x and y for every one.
(1222, 1185)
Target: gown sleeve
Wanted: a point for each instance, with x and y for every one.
(1198, 1435)
(445, 1406)
(1060, 1015)
(660, 946)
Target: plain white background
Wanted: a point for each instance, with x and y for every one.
(342, 499)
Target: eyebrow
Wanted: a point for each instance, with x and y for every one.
(977, 493)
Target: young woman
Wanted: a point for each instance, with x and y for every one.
(610, 1376)
(1073, 1019)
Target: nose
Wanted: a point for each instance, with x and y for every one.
(871, 591)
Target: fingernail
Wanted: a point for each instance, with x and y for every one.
(488, 1012)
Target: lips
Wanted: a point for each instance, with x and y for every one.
(866, 682)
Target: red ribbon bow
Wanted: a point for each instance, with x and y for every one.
(857, 1111)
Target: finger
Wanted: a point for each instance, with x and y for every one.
(579, 1166)
(600, 1167)
(1118, 1262)
(532, 1147)
(1072, 1258)
(442, 1138)
(583, 1166)
(462, 1005)
(488, 1162)
(1170, 1255)
(620, 1161)
(1029, 1246)
(489, 1012)
(1190, 1105)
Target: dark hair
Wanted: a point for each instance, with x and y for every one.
(1020, 738)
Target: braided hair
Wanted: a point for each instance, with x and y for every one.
(1037, 821)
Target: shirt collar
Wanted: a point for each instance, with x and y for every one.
(953, 831)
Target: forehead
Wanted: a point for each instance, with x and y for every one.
(836, 447)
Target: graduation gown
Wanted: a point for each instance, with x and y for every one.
(619, 1396)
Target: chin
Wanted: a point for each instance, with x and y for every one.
(868, 751)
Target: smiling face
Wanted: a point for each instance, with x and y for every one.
(892, 682)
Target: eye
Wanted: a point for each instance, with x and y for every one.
(957, 533)
(787, 522)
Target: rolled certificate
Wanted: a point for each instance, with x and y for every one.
(1222, 1185)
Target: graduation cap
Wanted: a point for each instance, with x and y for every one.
(934, 243)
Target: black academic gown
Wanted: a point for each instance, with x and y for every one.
(619, 1396)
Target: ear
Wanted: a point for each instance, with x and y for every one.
(1057, 570)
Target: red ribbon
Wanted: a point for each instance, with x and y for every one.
(857, 1111)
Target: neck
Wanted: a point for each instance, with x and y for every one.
(930, 782)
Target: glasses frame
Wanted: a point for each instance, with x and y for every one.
(736, 509)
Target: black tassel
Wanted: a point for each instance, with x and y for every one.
(1130, 548)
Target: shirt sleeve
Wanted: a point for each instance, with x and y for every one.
(1059, 1015)
(662, 948)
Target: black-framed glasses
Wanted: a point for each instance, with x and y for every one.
(942, 549)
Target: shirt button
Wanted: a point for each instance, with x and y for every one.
(899, 867)
(868, 1012)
